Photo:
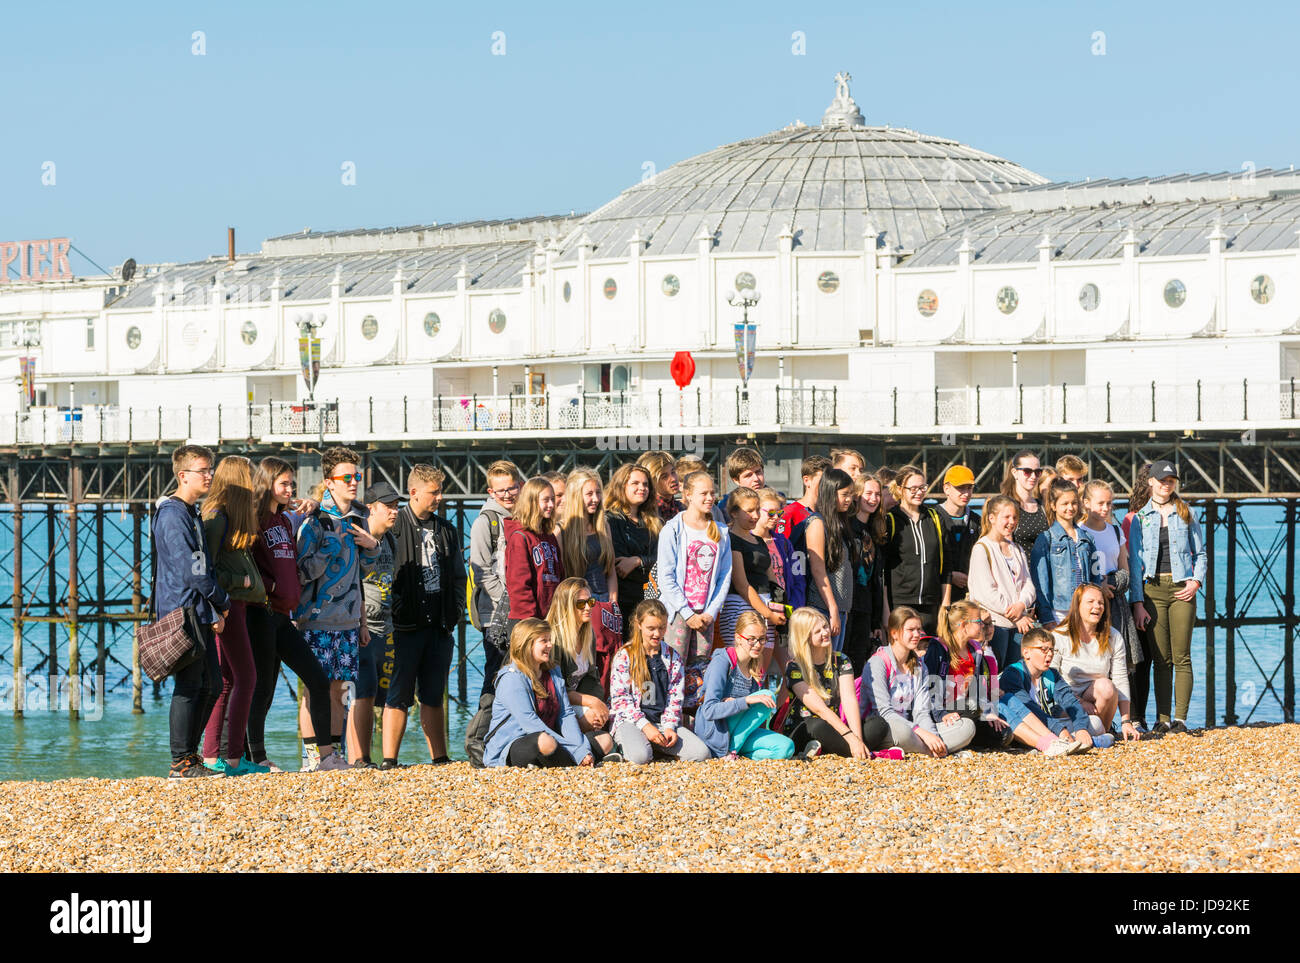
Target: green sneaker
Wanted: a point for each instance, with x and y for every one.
(247, 768)
(220, 767)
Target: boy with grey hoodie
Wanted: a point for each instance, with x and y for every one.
(490, 605)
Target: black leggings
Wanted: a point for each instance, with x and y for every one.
(858, 643)
(524, 752)
(875, 734)
(276, 639)
(194, 692)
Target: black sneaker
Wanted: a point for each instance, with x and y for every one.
(440, 761)
(1162, 728)
(392, 765)
(191, 767)
(364, 764)
(1179, 728)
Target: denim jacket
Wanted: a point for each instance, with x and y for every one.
(1186, 549)
(1054, 562)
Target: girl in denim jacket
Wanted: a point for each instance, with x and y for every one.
(1167, 563)
(1064, 556)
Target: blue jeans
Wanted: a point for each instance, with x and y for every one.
(1006, 646)
(751, 740)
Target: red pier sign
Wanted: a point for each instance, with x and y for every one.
(35, 260)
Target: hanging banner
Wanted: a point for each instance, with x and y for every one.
(28, 369)
(746, 341)
(309, 357)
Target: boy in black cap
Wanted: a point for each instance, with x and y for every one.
(375, 661)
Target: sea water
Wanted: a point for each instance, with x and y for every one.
(111, 741)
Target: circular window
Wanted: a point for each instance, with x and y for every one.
(745, 281)
(133, 337)
(670, 285)
(1089, 297)
(1261, 289)
(828, 281)
(1175, 294)
(568, 291)
(611, 288)
(432, 324)
(1008, 300)
(369, 327)
(248, 332)
(927, 302)
(497, 320)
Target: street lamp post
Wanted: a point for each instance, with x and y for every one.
(308, 324)
(745, 335)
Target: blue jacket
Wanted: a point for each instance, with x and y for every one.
(182, 572)
(1060, 699)
(1186, 549)
(330, 567)
(514, 715)
(1057, 562)
(716, 708)
(672, 570)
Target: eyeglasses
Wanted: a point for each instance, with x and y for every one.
(915, 489)
(584, 603)
(512, 490)
(348, 479)
(1045, 649)
(208, 472)
(775, 512)
(754, 641)
(974, 621)
(1029, 471)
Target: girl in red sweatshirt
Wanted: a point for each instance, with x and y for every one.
(532, 554)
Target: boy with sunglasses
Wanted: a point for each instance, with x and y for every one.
(334, 544)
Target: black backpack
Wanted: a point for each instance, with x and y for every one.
(477, 734)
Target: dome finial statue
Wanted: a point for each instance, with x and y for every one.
(843, 111)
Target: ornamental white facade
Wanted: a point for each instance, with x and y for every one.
(908, 283)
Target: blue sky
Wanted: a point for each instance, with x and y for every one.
(157, 150)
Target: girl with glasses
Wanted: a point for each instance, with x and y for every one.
(895, 683)
(1090, 657)
(824, 712)
(751, 571)
(574, 649)
(1039, 705)
(735, 704)
(647, 686)
(1021, 485)
(963, 675)
(916, 569)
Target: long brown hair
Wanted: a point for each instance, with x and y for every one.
(1141, 493)
(268, 470)
(1074, 620)
(528, 509)
(1060, 488)
(569, 633)
(1180, 506)
(616, 497)
(232, 495)
(1009, 478)
(638, 666)
(574, 522)
(949, 619)
(876, 520)
(525, 633)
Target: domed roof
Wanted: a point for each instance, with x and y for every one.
(826, 183)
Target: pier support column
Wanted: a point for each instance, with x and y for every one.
(137, 604)
(20, 679)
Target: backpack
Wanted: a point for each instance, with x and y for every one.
(472, 588)
(477, 734)
(938, 527)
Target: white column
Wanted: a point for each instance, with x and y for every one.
(885, 280)
(1133, 306)
(784, 295)
(399, 312)
(336, 315)
(277, 321)
(1045, 281)
(584, 288)
(1218, 271)
(635, 247)
(462, 308)
(707, 295)
(869, 281)
(217, 311)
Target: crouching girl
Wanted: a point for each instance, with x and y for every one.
(533, 722)
(1038, 704)
(736, 705)
(647, 683)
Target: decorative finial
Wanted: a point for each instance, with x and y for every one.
(843, 111)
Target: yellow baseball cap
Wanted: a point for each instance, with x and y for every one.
(959, 475)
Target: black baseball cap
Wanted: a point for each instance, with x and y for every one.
(1162, 469)
(381, 491)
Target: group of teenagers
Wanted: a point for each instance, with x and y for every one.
(648, 618)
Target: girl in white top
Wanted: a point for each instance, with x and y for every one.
(1090, 657)
(999, 578)
(1106, 535)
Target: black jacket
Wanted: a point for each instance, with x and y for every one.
(408, 579)
(632, 541)
(916, 565)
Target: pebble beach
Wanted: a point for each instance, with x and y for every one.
(1221, 802)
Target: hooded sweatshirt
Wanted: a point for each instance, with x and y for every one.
(182, 571)
(484, 559)
(533, 570)
(277, 559)
(330, 568)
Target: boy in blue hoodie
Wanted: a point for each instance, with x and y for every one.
(183, 578)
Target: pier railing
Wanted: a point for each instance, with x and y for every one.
(833, 410)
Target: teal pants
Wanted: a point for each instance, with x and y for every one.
(751, 740)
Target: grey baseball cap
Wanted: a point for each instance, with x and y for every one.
(1163, 469)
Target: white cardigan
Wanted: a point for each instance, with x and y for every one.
(990, 581)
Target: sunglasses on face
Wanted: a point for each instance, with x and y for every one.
(584, 603)
(1030, 471)
(979, 622)
(349, 478)
(774, 512)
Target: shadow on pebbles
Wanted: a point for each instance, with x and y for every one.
(1221, 802)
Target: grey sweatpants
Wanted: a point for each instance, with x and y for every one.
(955, 735)
(636, 748)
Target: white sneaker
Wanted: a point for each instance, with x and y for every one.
(1060, 747)
(311, 762)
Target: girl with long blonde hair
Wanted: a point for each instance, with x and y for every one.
(634, 527)
(585, 544)
(963, 674)
(824, 714)
(531, 556)
(231, 530)
(646, 691)
(575, 652)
